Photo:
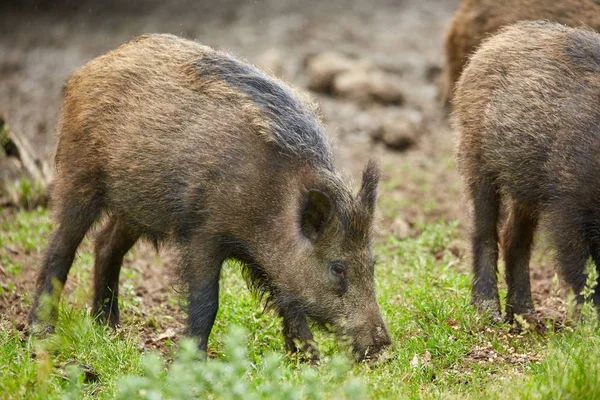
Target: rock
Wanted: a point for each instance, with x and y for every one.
(401, 129)
(323, 68)
(365, 85)
(385, 88)
(401, 228)
(168, 334)
(355, 79)
(353, 85)
(365, 123)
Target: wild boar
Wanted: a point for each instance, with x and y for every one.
(178, 143)
(527, 115)
(477, 19)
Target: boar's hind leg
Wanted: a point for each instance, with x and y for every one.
(484, 241)
(75, 217)
(112, 243)
(595, 251)
(298, 337)
(517, 240)
(572, 253)
(201, 275)
(593, 239)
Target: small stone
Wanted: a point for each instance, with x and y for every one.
(385, 88)
(168, 334)
(364, 85)
(414, 362)
(400, 228)
(426, 358)
(323, 68)
(355, 79)
(353, 85)
(402, 130)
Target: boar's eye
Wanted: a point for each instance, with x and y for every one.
(337, 269)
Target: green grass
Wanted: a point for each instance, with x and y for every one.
(27, 192)
(442, 348)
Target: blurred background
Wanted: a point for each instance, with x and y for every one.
(373, 66)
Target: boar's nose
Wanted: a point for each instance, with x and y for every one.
(380, 340)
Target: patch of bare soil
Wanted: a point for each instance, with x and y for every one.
(488, 355)
(156, 315)
(14, 288)
(379, 101)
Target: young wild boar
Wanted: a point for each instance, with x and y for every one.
(528, 117)
(477, 19)
(176, 142)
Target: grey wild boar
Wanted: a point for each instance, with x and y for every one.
(175, 142)
(477, 19)
(527, 114)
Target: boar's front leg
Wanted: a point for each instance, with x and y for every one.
(202, 279)
(298, 337)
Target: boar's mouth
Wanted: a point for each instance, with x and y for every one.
(374, 344)
(370, 354)
(262, 286)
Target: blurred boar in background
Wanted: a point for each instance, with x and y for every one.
(175, 142)
(477, 19)
(528, 117)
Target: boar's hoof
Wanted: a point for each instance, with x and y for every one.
(384, 357)
(310, 356)
(305, 351)
(526, 321)
(376, 354)
(40, 329)
(489, 308)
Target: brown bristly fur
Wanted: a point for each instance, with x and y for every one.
(476, 20)
(527, 115)
(179, 143)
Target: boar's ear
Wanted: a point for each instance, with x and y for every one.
(367, 195)
(316, 213)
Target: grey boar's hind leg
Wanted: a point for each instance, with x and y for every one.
(298, 337)
(486, 204)
(593, 238)
(517, 241)
(595, 251)
(75, 217)
(112, 243)
(572, 254)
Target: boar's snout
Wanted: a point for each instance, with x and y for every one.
(370, 340)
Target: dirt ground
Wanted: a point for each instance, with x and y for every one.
(42, 42)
